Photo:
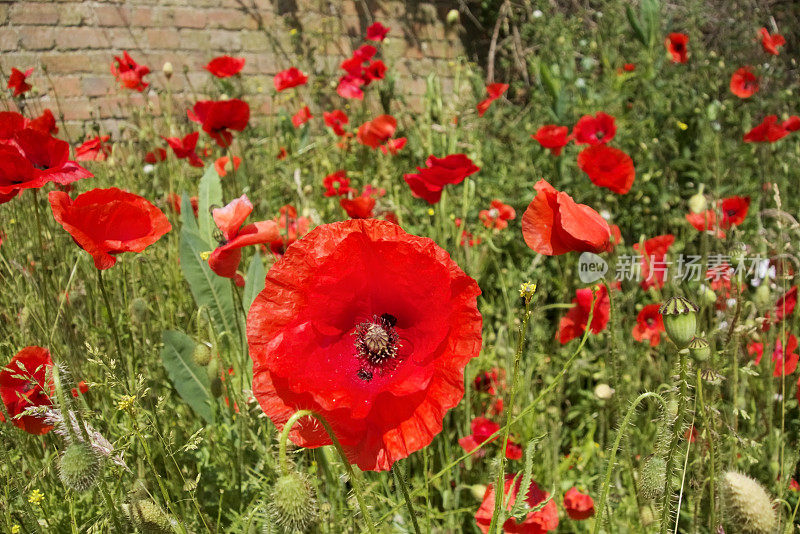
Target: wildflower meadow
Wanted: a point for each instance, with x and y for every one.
(567, 270)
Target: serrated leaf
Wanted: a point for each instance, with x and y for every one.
(187, 213)
(190, 380)
(208, 289)
(209, 193)
(254, 281)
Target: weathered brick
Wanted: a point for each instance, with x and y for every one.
(162, 39)
(81, 38)
(111, 15)
(225, 41)
(253, 41)
(33, 13)
(98, 85)
(37, 37)
(189, 18)
(3, 13)
(74, 14)
(9, 39)
(76, 109)
(67, 86)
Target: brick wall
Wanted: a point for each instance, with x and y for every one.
(71, 45)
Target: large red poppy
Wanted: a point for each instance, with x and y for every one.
(291, 77)
(649, 325)
(676, 44)
(225, 66)
(573, 324)
(302, 116)
(45, 123)
(785, 356)
(495, 91)
(24, 384)
(48, 156)
(106, 222)
(369, 327)
(786, 304)
(653, 266)
(128, 73)
(552, 137)
(734, 210)
(94, 149)
(744, 83)
(594, 130)
(218, 117)
(18, 81)
(539, 522)
(608, 167)
(705, 221)
(336, 120)
(554, 224)
(792, 124)
(225, 259)
(185, 148)
(769, 131)
(377, 31)
(377, 131)
(578, 505)
(429, 182)
(771, 43)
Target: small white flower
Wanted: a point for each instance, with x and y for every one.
(537, 14)
(148, 169)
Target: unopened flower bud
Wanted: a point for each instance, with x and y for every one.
(748, 505)
(201, 354)
(138, 310)
(147, 516)
(680, 320)
(697, 202)
(167, 70)
(79, 466)
(453, 16)
(293, 506)
(603, 391)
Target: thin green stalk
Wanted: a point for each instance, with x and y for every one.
(710, 445)
(401, 481)
(676, 437)
(113, 325)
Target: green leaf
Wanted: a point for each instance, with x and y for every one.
(187, 213)
(209, 193)
(636, 25)
(190, 380)
(207, 287)
(254, 281)
(551, 85)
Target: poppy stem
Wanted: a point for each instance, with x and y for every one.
(401, 481)
(677, 429)
(284, 463)
(112, 324)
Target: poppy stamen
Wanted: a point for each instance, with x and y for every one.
(377, 344)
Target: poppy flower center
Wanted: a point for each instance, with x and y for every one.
(377, 343)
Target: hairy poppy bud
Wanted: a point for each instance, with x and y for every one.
(707, 295)
(653, 477)
(453, 16)
(292, 506)
(603, 391)
(748, 504)
(699, 349)
(201, 354)
(79, 466)
(762, 296)
(138, 310)
(680, 320)
(167, 70)
(697, 202)
(147, 516)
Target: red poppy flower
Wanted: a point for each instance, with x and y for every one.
(539, 522)
(482, 428)
(94, 149)
(756, 351)
(174, 202)
(649, 325)
(498, 215)
(49, 157)
(291, 77)
(128, 73)
(225, 259)
(16, 173)
(156, 155)
(554, 224)
(302, 117)
(552, 137)
(350, 86)
(381, 323)
(393, 146)
(629, 67)
(336, 120)
(282, 154)
(608, 167)
(44, 123)
(429, 182)
(792, 124)
(222, 165)
(495, 91)
(217, 117)
(24, 383)
(490, 381)
(376, 32)
(785, 357)
(377, 131)
(744, 83)
(578, 505)
(225, 66)
(106, 222)
(768, 131)
(734, 210)
(676, 44)
(336, 184)
(82, 389)
(291, 228)
(653, 267)
(771, 43)
(705, 222)
(18, 81)
(376, 70)
(186, 148)
(11, 122)
(573, 324)
(594, 130)
(784, 307)
(360, 206)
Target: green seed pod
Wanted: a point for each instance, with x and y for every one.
(201, 354)
(292, 507)
(653, 477)
(707, 295)
(680, 320)
(748, 505)
(699, 349)
(148, 517)
(138, 310)
(762, 297)
(216, 387)
(79, 467)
